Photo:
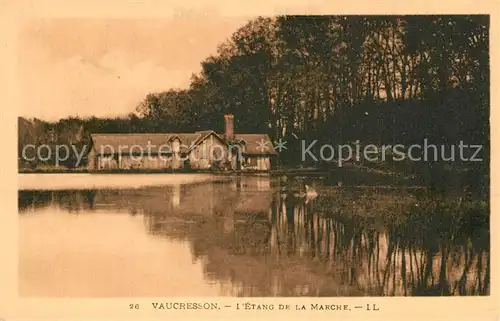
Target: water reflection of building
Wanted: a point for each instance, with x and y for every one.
(176, 196)
(254, 240)
(379, 263)
(264, 243)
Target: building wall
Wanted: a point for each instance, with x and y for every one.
(135, 162)
(261, 163)
(176, 160)
(107, 162)
(196, 159)
(207, 153)
(91, 160)
(148, 162)
(203, 156)
(264, 163)
(233, 155)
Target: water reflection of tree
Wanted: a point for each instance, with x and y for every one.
(78, 201)
(257, 241)
(338, 245)
(433, 251)
(73, 201)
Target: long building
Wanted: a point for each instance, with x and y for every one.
(199, 150)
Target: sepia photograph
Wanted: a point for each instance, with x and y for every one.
(268, 156)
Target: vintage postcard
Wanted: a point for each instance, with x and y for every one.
(274, 160)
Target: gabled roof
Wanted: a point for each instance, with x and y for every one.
(186, 139)
(126, 143)
(255, 144)
(204, 135)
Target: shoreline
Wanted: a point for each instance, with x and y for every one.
(147, 171)
(285, 171)
(82, 181)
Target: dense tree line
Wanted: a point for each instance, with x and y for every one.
(377, 79)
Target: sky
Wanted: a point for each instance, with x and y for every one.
(105, 67)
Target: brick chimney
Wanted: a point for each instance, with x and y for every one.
(229, 134)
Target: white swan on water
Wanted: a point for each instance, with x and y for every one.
(310, 194)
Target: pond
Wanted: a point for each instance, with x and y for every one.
(245, 236)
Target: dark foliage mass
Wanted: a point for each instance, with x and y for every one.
(377, 79)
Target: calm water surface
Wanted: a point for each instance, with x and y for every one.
(249, 236)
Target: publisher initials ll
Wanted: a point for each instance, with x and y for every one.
(371, 307)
